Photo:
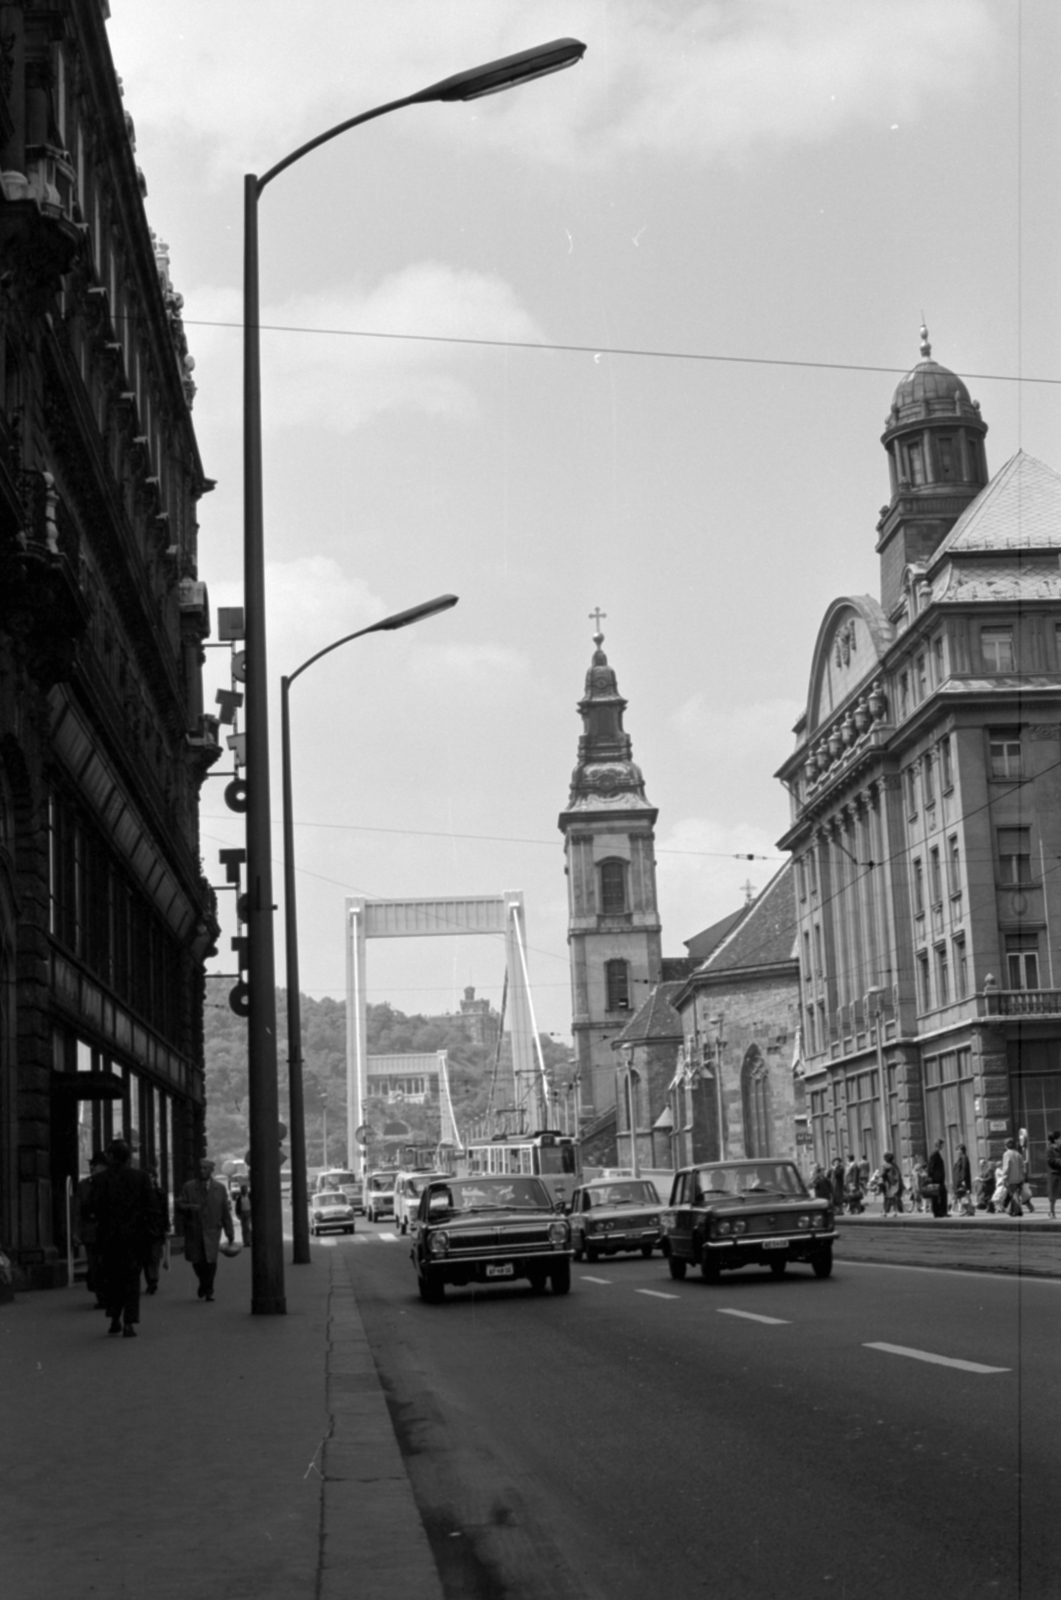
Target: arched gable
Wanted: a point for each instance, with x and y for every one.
(852, 641)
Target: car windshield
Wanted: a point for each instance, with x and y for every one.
(338, 1178)
(622, 1194)
(492, 1194)
(381, 1185)
(331, 1199)
(753, 1178)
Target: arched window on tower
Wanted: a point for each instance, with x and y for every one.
(612, 888)
(617, 985)
(755, 1103)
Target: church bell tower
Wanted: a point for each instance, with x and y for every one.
(613, 928)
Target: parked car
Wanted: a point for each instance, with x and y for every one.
(727, 1214)
(489, 1230)
(408, 1187)
(331, 1212)
(379, 1195)
(341, 1178)
(609, 1215)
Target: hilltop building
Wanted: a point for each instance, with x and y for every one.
(105, 917)
(926, 826)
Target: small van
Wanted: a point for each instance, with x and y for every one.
(346, 1182)
(408, 1187)
(379, 1195)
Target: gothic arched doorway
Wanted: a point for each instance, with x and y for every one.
(755, 1103)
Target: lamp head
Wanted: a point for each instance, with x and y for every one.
(507, 72)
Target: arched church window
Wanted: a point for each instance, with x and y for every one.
(612, 887)
(755, 1103)
(617, 985)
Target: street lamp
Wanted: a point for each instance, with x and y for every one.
(267, 1243)
(324, 1139)
(299, 1215)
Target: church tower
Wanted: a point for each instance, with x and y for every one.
(934, 436)
(613, 928)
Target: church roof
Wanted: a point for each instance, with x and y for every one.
(1020, 509)
(701, 945)
(655, 1020)
(765, 936)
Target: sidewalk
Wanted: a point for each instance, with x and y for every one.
(218, 1454)
(1028, 1247)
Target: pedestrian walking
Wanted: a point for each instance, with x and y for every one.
(935, 1181)
(836, 1177)
(962, 1182)
(160, 1230)
(821, 1185)
(124, 1211)
(1011, 1178)
(891, 1183)
(915, 1181)
(985, 1186)
(1053, 1171)
(864, 1171)
(86, 1224)
(243, 1212)
(205, 1213)
(853, 1190)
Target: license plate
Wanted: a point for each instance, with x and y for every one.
(775, 1244)
(506, 1271)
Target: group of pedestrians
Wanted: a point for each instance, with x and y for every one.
(1001, 1186)
(123, 1223)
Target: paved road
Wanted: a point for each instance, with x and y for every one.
(887, 1431)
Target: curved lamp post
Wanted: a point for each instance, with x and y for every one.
(299, 1196)
(267, 1240)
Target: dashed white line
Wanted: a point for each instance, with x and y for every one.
(657, 1294)
(753, 1316)
(939, 1361)
(391, 1236)
(584, 1277)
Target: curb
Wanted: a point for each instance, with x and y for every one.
(373, 1541)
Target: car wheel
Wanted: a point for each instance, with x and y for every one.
(433, 1290)
(710, 1267)
(591, 1254)
(537, 1282)
(823, 1262)
(778, 1267)
(646, 1250)
(560, 1277)
(676, 1267)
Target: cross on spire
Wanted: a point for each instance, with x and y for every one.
(749, 891)
(598, 617)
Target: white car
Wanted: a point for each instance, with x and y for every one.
(408, 1187)
(379, 1195)
(331, 1212)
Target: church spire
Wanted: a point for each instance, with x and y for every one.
(606, 774)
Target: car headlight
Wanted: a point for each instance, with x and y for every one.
(818, 1220)
(558, 1233)
(803, 1222)
(438, 1244)
(594, 1227)
(723, 1227)
(653, 1222)
(740, 1226)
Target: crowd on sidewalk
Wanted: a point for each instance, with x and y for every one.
(1001, 1187)
(123, 1224)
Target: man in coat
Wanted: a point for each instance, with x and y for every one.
(936, 1175)
(205, 1212)
(123, 1205)
(86, 1223)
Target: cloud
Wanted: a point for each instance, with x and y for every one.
(707, 80)
(759, 734)
(329, 379)
(488, 668)
(309, 601)
(701, 871)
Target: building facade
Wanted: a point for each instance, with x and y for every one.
(613, 918)
(924, 786)
(105, 917)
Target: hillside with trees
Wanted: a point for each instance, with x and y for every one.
(390, 1032)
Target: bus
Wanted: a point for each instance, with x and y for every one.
(553, 1157)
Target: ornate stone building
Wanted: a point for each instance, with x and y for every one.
(924, 786)
(104, 913)
(613, 920)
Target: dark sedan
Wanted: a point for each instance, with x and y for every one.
(728, 1214)
(489, 1230)
(613, 1214)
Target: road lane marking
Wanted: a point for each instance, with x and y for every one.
(391, 1236)
(584, 1277)
(939, 1361)
(657, 1294)
(753, 1316)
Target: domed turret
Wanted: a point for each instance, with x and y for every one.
(606, 774)
(934, 437)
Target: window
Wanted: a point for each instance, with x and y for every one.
(937, 658)
(915, 462)
(919, 887)
(961, 969)
(1014, 855)
(996, 649)
(954, 865)
(812, 1036)
(808, 971)
(1022, 960)
(904, 693)
(818, 948)
(1005, 752)
(617, 985)
(935, 876)
(928, 779)
(911, 791)
(801, 876)
(924, 993)
(947, 457)
(946, 764)
(922, 678)
(612, 887)
(942, 975)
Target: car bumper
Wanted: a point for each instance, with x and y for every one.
(791, 1247)
(334, 1226)
(610, 1243)
(491, 1268)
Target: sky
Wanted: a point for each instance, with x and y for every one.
(718, 236)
